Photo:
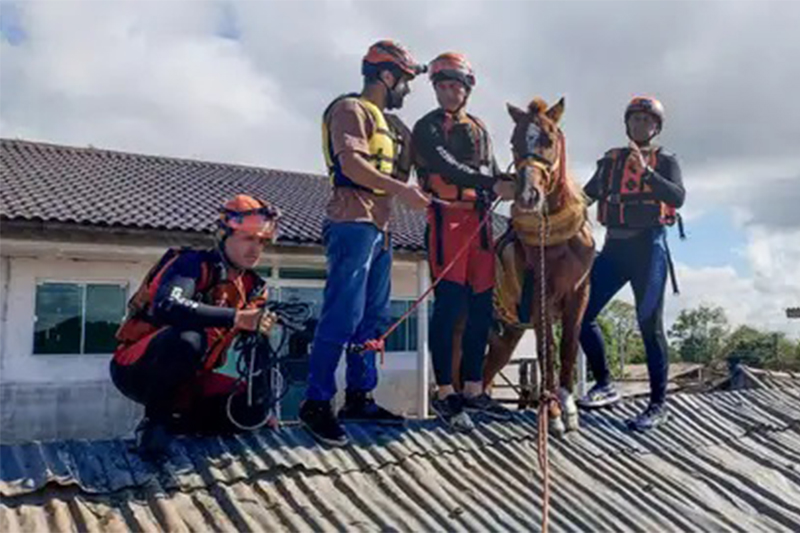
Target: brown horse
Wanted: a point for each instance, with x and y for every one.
(548, 214)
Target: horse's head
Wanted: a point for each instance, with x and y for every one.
(539, 151)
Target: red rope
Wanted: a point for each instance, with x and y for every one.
(541, 449)
(379, 344)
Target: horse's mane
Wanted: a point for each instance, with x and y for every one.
(571, 192)
(537, 106)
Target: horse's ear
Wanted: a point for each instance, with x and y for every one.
(516, 113)
(556, 111)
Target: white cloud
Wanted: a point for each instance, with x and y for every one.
(151, 77)
(760, 300)
(159, 77)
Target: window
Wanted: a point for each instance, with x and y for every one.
(302, 273)
(77, 318)
(404, 338)
(264, 272)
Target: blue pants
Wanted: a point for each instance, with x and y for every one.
(642, 260)
(355, 309)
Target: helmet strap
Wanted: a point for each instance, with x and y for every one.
(391, 97)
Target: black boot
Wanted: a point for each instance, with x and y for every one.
(318, 418)
(359, 406)
(152, 439)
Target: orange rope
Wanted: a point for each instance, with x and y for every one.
(379, 344)
(544, 461)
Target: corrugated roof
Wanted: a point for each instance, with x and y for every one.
(745, 377)
(726, 462)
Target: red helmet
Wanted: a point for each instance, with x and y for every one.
(452, 66)
(249, 215)
(646, 104)
(389, 53)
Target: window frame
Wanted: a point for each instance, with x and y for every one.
(125, 284)
(274, 281)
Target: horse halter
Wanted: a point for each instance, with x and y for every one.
(531, 158)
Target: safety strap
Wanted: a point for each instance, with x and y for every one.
(671, 268)
(483, 209)
(438, 226)
(681, 232)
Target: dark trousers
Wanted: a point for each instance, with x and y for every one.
(642, 261)
(168, 381)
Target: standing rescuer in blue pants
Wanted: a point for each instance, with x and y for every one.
(638, 190)
(368, 160)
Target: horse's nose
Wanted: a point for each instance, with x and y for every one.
(534, 196)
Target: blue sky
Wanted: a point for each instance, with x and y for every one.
(712, 240)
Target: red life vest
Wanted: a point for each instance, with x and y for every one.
(213, 288)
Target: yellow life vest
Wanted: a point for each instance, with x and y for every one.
(384, 146)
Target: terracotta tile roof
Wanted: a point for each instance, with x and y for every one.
(95, 187)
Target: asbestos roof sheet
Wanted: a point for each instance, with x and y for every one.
(727, 461)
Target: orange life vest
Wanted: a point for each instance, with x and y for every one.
(467, 140)
(626, 201)
(213, 288)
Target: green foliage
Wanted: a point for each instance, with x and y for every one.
(699, 335)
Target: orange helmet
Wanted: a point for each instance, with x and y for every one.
(646, 104)
(452, 66)
(390, 54)
(249, 215)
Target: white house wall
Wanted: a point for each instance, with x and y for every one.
(71, 396)
(20, 363)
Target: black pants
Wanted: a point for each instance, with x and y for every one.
(450, 300)
(169, 368)
(642, 260)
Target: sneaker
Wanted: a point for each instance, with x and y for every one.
(359, 406)
(451, 412)
(483, 403)
(152, 438)
(599, 396)
(652, 417)
(318, 418)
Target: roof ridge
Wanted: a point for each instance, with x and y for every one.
(46, 145)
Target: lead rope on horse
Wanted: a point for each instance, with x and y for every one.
(379, 344)
(546, 398)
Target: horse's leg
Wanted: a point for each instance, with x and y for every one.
(574, 307)
(501, 348)
(555, 412)
(458, 335)
(544, 341)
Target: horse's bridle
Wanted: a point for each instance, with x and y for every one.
(549, 169)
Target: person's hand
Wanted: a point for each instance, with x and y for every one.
(413, 197)
(268, 320)
(638, 162)
(505, 189)
(255, 320)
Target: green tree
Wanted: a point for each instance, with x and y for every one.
(699, 334)
(624, 343)
(771, 350)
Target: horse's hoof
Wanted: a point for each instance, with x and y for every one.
(556, 427)
(572, 421)
(569, 409)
